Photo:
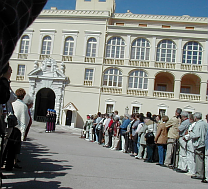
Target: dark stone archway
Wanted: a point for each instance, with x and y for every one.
(45, 99)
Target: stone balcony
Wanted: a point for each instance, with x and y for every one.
(20, 77)
(66, 58)
(88, 83)
(194, 97)
(22, 56)
(163, 94)
(44, 56)
(165, 65)
(114, 61)
(113, 90)
(139, 63)
(137, 92)
(191, 67)
(90, 59)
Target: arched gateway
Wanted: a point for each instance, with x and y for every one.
(47, 85)
(45, 99)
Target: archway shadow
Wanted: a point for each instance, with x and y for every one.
(37, 163)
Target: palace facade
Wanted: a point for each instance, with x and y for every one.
(92, 59)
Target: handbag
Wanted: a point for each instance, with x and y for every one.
(12, 121)
(150, 137)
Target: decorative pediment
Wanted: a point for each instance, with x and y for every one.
(136, 102)
(188, 107)
(163, 105)
(110, 100)
(48, 69)
(70, 106)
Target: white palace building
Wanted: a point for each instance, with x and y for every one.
(92, 59)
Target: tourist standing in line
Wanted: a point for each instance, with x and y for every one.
(161, 140)
(198, 135)
(190, 147)
(28, 100)
(205, 180)
(173, 135)
(183, 128)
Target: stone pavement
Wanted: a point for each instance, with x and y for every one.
(63, 160)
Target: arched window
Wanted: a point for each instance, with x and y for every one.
(115, 48)
(91, 47)
(138, 79)
(192, 53)
(46, 45)
(140, 49)
(69, 46)
(112, 78)
(24, 46)
(166, 51)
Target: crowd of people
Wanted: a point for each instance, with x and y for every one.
(179, 143)
(15, 122)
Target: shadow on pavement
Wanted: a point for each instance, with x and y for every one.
(35, 185)
(37, 164)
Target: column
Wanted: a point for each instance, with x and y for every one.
(127, 50)
(203, 91)
(151, 84)
(177, 88)
(124, 84)
(153, 51)
(179, 54)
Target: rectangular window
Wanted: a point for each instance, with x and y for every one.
(142, 25)
(20, 72)
(109, 108)
(119, 24)
(189, 28)
(165, 26)
(89, 74)
(135, 110)
(185, 89)
(161, 87)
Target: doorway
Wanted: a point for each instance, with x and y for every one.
(45, 99)
(68, 117)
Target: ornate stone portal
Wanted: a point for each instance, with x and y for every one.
(48, 76)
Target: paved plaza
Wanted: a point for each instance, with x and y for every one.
(63, 160)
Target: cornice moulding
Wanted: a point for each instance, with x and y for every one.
(48, 30)
(155, 29)
(70, 31)
(161, 18)
(69, 13)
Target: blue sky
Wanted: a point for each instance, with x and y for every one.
(198, 8)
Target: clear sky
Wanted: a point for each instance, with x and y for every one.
(196, 8)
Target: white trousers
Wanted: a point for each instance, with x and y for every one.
(190, 157)
(142, 150)
(115, 142)
(123, 143)
(182, 164)
(106, 138)
(206, 163)
(91, 134)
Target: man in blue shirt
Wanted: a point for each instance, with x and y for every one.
(123, 129)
